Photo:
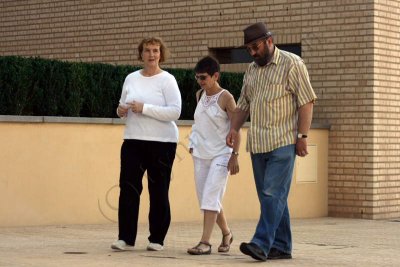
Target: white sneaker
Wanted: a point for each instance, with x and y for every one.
(121, 245)
(154, 247)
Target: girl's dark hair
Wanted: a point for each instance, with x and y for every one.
(207, 64)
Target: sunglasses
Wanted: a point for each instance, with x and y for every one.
(200, 77)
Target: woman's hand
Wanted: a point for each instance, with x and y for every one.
(137, 107)
(122, 110)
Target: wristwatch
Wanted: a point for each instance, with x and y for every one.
(300, 135)
(235, 153)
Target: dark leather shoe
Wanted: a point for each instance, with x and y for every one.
(253, 251)
(275, 254)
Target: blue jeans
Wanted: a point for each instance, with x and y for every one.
(273, 175)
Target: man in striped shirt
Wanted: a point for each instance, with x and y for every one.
(278, 97)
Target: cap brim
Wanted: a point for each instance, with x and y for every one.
(258, 39)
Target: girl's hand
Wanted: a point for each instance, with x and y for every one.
(233, 164)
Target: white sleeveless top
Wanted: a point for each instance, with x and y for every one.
(210, 128)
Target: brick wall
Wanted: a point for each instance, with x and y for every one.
(386, 143)
(341, 67)
(350, 47)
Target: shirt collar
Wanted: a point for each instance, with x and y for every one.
(275, 56)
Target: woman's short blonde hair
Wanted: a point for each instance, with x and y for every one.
(154, 41)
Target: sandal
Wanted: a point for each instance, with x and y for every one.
(198, 251)
(224, 247)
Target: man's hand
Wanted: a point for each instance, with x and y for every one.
(301, 147)
(231, 137)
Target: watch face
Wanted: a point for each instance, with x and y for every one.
(301, 135)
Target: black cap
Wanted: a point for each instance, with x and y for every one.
(255, 32)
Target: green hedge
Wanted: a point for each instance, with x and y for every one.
(43, 87)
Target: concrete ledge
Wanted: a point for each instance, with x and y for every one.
(87, 120)
(24, 119)
(77, 120)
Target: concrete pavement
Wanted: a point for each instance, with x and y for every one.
(317, 242)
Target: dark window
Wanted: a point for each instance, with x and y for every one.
(240, 55)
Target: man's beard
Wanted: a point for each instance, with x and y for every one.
(261, 61)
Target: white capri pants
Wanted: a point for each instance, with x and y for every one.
(211, 177)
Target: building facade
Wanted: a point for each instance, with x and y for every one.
(351, 49)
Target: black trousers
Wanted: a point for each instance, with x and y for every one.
(138, 156)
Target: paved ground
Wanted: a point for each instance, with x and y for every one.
(317, 242)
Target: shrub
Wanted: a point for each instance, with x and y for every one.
(43, 87)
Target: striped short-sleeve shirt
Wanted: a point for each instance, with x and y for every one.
(273, 93)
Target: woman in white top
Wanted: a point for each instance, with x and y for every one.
(213, 159)
(150, 102)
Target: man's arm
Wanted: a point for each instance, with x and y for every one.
(304, 124)
(239, 117)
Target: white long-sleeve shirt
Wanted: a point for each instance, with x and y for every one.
(162, 106)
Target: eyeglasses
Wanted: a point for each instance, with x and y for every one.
(200, 77)
(254, 47)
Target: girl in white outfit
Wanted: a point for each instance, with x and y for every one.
(213, 159)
